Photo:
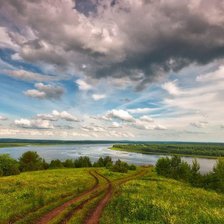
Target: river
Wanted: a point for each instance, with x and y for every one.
(94, 151)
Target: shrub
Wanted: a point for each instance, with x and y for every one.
(120, 166)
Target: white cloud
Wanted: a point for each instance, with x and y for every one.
(120, 114)
(97, 97)
(34, 124)
(146, 118)
(56, 115)
(171, 88)
(116, 125)
(83, 85)
(3, 118)
(45, 91)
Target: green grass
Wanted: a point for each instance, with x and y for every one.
(27, 196)
(155, 200)
(8, 145)
(30, 191)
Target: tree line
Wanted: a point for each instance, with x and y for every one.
(177, 169)
(203, 149)
(31, 161)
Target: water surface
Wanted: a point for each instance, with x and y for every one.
(94, 151)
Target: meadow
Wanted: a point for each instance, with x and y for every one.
(156, 200)
(37, 192)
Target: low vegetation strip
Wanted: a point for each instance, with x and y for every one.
(193, 149)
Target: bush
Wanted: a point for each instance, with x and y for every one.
(8, 165)
(120, 166)
(30, 161)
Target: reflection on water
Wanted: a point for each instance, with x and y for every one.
(94, 152)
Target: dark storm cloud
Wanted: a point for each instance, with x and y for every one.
(141, 40)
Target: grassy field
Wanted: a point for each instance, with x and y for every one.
(203, 150)
(29, 191)
(156, 200)
(40, 191)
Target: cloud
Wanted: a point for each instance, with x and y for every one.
(109, 40)
(199, 124)
(28, 76)
(33, 124)
(83, 85)
(3, 118)
(140, 110)
(56, 115)
(116, 125)
(45, 91)
(97, 97)
(171, 88)
(120, 114)
(146, 118)
(212, 76)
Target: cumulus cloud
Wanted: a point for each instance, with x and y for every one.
(97, 97)
(109, 40)
(43, 91)
(146, 118)
(33, 124)
(83, 85)
(56, 115)
(120, 114)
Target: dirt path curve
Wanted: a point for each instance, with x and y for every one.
(94, 217)
(56, 211)
(79, 207)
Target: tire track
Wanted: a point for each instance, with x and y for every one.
(56, 211)
(95, 215)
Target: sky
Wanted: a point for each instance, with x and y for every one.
(150, 70)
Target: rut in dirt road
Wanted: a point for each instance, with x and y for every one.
(56, 211)
(94, 217)
(76, 209)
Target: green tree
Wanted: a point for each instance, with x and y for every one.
(69, 163)
(56, 164)
(195, 177)
(219, 175)
(30, 161)
(82, 161)
(8, 165)
(163, 166)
